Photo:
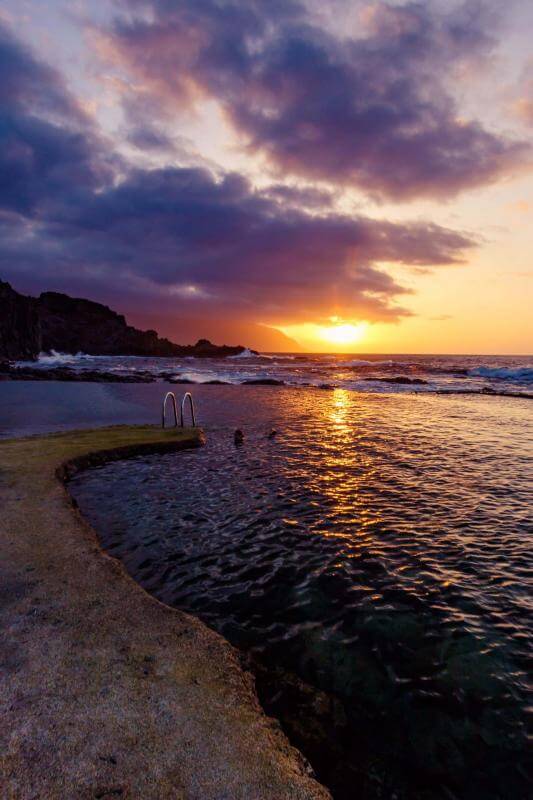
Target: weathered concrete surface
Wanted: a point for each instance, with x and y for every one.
(104, 691)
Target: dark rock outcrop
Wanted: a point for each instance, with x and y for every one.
(263, 382)
(20, 332)
(74, 325)
(9, 372)
(397, 379)
(66, 324)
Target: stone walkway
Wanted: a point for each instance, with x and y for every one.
(104, 691)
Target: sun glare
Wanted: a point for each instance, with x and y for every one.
(343, 334)
(340, 336)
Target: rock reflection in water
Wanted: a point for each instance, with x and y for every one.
(377, 549)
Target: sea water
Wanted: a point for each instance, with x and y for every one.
(374, 558)
(368, 373)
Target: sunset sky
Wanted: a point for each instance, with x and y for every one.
(356, 175)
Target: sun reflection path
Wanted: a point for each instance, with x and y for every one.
(345, 467)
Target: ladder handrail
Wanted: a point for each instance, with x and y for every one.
(175, 408)
(173, 396)
(191, 404)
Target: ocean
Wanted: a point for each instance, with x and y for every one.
(362, 373)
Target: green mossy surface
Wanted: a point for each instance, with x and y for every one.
(37, 454)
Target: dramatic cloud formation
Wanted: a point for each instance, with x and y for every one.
(371, 110)
(70, 212)
(48, 148)
(181, 233)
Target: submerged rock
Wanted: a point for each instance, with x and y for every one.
(491, 393)
(263, 382)
(8, 372)
(398, 379)
(314, 720)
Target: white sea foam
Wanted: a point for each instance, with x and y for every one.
(200, 376)
(246, 353)
(361, 362)
(53, 357)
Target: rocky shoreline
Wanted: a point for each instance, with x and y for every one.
(11, 372)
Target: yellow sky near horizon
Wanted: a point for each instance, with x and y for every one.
(483, 306)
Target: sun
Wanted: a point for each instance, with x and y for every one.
(339, 336)
(342, 334)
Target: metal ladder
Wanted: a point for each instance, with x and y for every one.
(182, 408)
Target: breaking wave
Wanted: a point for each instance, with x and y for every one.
(522, 374)
(246, 353)
(359, 362)
(52, 358)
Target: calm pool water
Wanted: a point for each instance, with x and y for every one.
(378, 547)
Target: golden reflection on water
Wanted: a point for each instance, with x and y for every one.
(343, 469)
(341, 401)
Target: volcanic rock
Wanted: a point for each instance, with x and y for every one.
(263, 382)
(397, 379)
(20, 333)
(55, 321)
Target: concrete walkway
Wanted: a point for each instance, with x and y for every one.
(104, 691)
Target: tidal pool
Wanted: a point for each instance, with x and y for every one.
(374, 558)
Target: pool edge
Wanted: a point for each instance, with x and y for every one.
(127, 694)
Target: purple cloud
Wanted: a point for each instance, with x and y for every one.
(371, 111)
(48, 147)
(74, 217)
(186, 237)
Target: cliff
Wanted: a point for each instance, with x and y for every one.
(20, 330)
(66, 324)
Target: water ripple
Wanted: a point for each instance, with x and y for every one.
(379, 548)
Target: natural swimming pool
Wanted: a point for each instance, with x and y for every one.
(377, 549)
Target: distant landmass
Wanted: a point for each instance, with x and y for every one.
(185, 328)
(54, 321)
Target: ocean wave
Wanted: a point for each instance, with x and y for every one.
(199, 376)
(246, 353)
(53, 357)
(521, 374)
(361, 362)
